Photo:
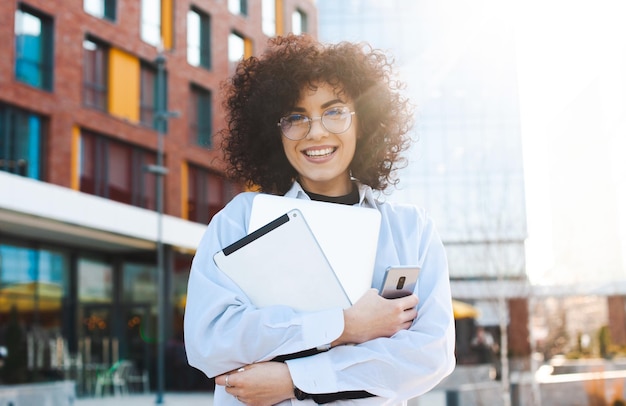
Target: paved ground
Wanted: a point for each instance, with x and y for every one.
(206, 399)
(194, 399)
(169, 399)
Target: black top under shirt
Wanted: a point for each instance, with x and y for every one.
(351, 198)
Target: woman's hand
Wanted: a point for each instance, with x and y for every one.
(262, 384)
(373, 316)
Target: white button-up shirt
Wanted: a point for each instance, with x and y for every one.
(224, 331)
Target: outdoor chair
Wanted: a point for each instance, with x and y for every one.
(120, 378)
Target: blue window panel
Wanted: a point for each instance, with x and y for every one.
(18, 265)
(53, 267)
(34, 142)
(33, 49)
(20, 142)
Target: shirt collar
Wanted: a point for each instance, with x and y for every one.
(366, 195)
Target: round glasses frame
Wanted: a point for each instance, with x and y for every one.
(335, 120)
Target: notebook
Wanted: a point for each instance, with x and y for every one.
(281, 263)
(348, 235)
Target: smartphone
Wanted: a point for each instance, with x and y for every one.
(399, 281)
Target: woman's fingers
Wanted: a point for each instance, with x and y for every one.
(229, 379)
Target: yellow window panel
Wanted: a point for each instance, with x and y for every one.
(247, 48)
(280, 21)
(123, 85)
(184, 195)
(75, 157)
(167, 31)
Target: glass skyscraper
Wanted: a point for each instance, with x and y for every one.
(465, 166)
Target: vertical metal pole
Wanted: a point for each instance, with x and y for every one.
(504, 351)
(161, 117)
(536, 390)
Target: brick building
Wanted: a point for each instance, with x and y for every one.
(78, 131)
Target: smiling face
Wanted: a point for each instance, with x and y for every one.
(322, 159)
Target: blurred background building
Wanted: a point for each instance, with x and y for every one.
(468, 69)
(78, 205)
(466, 165)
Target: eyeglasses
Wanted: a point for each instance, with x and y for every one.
(336, 120)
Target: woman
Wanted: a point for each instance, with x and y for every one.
(323, 123)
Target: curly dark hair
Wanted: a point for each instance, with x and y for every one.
(264, 89)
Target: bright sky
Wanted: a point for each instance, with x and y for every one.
(572, 85)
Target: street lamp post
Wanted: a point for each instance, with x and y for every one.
(159, 170)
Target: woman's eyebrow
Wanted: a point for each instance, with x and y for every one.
(323, 106)
(331, 102)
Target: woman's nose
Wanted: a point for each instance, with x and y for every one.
(317, 129)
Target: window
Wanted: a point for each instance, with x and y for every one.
(140, 283)
(100, 8)
(236, 49)
(147, 103)
(95, 72)
(268, 17)
(35, 282)
(208, 193)
(149, 95)
(238, 7)
(151, 21)
(33, 48)
(200, 117)
(116, 171)
(178, 295)
(22, 265)
(21, 136)
(198, 39)
(95, 281)
(298, 22)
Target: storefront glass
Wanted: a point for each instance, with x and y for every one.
(97, 347)
(66, 315)
(33, 295)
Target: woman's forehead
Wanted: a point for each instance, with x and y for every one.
(312, 88)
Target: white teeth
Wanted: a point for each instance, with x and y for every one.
(319, 152)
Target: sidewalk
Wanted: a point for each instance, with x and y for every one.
(169, 399)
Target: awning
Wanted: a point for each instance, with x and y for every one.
(464, 310)
(68, 215)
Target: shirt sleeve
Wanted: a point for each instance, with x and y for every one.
(223, 330)
(412, 361)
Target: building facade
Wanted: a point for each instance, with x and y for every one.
(82, 99)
